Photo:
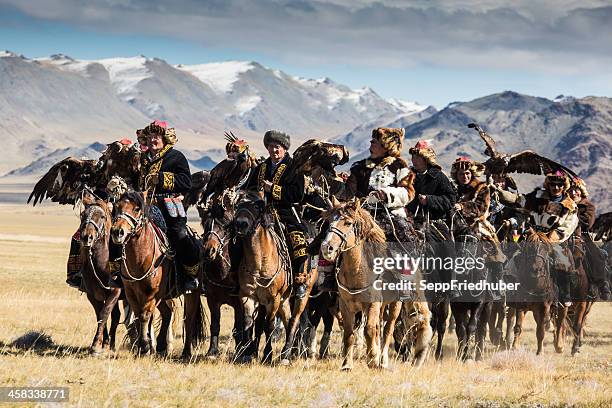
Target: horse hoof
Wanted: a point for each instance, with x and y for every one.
(285, 362)
(346, 368)
(212, 357)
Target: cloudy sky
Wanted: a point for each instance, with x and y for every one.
(431, 51)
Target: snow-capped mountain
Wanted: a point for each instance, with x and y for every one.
(53, 102)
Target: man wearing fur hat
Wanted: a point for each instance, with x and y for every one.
(284, 191)
(553, 212)
(594, 261)
(434, 194)
(166, 177)
(472, 212)
(384, 180)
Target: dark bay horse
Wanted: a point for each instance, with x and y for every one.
(146, 270)
(220, 277)
(265, 276)
(96, 221)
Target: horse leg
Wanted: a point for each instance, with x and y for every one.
(461, 321)
(238, 331)
(115, 319)
(348, 336)
(442, 309)
(110, 303)
(538, 315)
(579, 313)
(144, 318)
(192, 321)
(163, 339)
(561, 315)
(249, 340)
(96, 345)
(475, 310)
(215, 326)
(481, 330)
(518, 328)
(271, 310)
(394, 311)
(291, 327)
(510, 315)
(328, 324)
(372, 334)
(422, 342)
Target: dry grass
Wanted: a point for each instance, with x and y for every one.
(34, 298)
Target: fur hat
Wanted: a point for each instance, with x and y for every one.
(391, 139)
(580, 185)
(557, 177)
(424, 149)
(158, 127)
(275, 136)
(465, 163)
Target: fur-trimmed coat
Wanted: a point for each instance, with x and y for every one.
(559, 219)
(390, 174)
(586, 215)
(475, 199)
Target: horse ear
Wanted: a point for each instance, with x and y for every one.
(335, 202)
(357, 204)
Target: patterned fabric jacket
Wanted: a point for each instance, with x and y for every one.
(172, 168)
(287, 190)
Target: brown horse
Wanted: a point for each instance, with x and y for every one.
(146, 270)
(265, 276)
(219, 277)
(96, 221)
(351, 228)
(581, 305)
(532, 265)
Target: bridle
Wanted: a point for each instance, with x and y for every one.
(136, 224)
(333, 229)
(223, 240)
(100, 230)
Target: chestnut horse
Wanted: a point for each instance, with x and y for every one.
(96, 221)
(145, 271)
(265, 276)
(351, 228)
(533, 271)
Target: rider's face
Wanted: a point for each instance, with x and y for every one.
(555, 189)
(464, 176)
(575, 194)
(419, 162)
(276, 152)
(155, 142)
(376, 149)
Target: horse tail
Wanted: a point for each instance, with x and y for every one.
(200, 323)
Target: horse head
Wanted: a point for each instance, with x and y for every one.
(95, 222)
(344, 230)
(249, 213)
(217, 232)
(131, 215)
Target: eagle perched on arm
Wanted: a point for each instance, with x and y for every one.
(65, 181)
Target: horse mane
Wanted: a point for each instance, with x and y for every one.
(538, 236)
(370, 230)
(105, 207)
(137, 198)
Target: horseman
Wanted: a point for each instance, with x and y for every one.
(595, 261)
(554, 213)
(165, 177)
(284, 192)
(384, 181)
(434, 194)
(472, 210)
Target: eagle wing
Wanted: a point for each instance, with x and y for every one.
(603, 226)
(491, 150)
(314, 153)
(532, 163)
(63, 182)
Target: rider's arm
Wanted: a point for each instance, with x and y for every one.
(444, 199)
(480, 205)
(179, 179)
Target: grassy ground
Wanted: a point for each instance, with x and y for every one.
(33, 297)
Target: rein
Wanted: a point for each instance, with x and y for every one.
(151, 269)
